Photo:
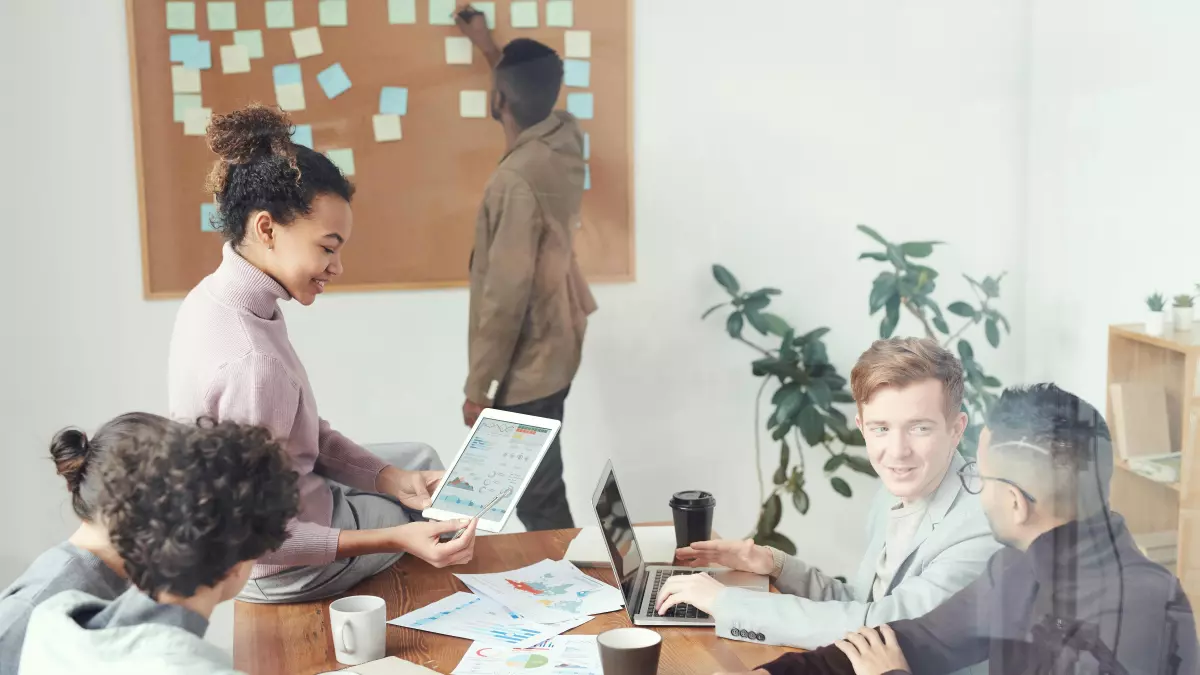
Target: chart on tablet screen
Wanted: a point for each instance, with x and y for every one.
(497, 457)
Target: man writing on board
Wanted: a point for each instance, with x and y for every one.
(529, 300)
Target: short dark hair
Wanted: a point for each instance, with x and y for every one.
(76, 457)
(184, 508)
(1072, 431)
(261, 169)
(530, 76)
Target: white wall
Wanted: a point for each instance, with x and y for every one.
(765, 132)
(1114, 156)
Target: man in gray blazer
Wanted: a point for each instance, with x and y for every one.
(928, 537)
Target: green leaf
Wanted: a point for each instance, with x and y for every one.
(854, 438)
(891, 318)
(757, 321)
(756, 303)
(784, 391)
(883, 289)
(1001, 319)
(772, 513)
(764, 292)
(918, 249)
(962, 309)
(785, 458)
(992, 381)
(775, 324)
(812, 425)
(874, 235)
(881, 257)
(726, 279)
(812, 335)
(991, 287)
(835, 462)
(843, 397)
(897, 259)
(940, 324)
(712, 309)
(800, 501)
(840, 486)
(734, 324)
(861, 465)
(781, 431)
(820, 393)
(780, 476)
(993, 333)
(789, 405)
(814, 354)
(965, 352)
(776, 540)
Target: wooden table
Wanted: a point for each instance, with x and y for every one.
(295, 639)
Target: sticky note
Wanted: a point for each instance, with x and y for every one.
(287, 73)
(441, 12)
(181, 16)
(222, 16)
(577, 73)
(290, 97)
(402, 11)
(587, 145)
(473, 104)
(393, 101)
(343, 158)
(560, 13)
(578, 44)
(581, 105)
(184, 103)
(488, 10)
(387, 128)
(182, 45)
(280, 14)
(524, 14)
(251, 40)
(199, 56)
(185, 80)
(587, 176)
(302, 135)
(307, 42)
(458, 51)
(332, 13)
(334, 80)
(210, 218)
(235, 59)
(195, 121)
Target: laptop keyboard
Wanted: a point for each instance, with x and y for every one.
(680, 611)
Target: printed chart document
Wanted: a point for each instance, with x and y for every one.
(474, 617)
(562, 655)
(550, 591)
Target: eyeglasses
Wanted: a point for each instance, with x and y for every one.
(972, 481)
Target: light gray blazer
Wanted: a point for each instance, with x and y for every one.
(949, 550)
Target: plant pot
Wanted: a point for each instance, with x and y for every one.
(1156, 323)
(1183, 318)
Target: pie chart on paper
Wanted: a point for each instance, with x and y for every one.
(527, 662)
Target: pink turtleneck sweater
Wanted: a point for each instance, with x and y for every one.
(231, 359)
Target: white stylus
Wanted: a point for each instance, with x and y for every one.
(486, 507)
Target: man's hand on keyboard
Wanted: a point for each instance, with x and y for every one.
(698, 590)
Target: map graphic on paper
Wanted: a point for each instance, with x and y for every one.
(549, 591)
(498, 457)
(475, 617)
(561, 655)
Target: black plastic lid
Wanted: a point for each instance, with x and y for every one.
(693, 499)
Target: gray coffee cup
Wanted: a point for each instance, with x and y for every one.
(629, 651)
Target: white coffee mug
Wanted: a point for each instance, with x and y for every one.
(359, 625)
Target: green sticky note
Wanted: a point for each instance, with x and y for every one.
(280, 14)
(560, 13)
(181, 16)
(222, 16)
(441, 12)
(333, 13)
(524, 14)
(402, 11)
(185, 102)
(343, 158)
(251, 40)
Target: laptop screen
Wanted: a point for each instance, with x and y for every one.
(618, 534)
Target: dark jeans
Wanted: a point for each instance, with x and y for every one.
(544, 504)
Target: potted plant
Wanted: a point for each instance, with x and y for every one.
(1155, 322)
(1182, 311)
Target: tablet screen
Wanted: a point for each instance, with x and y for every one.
(499, 456)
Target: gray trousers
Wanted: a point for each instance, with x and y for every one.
(352, 510)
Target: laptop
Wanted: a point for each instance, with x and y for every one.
(639, 582)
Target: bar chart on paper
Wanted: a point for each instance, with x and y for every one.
(475, 617)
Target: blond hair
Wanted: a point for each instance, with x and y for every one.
(899, 362)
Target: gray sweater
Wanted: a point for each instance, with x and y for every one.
(64, 567)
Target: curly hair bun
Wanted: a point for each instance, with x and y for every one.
(251, 132)
(70, 452)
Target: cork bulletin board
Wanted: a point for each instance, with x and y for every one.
(377, 86)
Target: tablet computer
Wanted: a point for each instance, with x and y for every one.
(500, 455)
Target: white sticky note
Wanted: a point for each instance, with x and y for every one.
(290, 97)
(524, 14)
(441, 12)
(280, 14)
(307, 42)
(195, 121)
(458, 51)
(560, 13)
(578, 44)
(402, 11)
(184, 103)
(587, 145)
(473, 104)
(488, 10)
(185, 80)
(387, 128)
(332, 13)
(343, 158)
(181, 16)
(251, 40)
(235, 59)
(222, 16)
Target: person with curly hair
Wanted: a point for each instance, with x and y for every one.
(86, 561)
(285, 214)
(188, 510)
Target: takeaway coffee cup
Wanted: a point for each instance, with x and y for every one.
(693, 511)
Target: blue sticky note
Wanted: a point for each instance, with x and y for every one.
(288, 73)
(587, 145)
(587, 176)
(303, 135)
(182, 45)
(209, 220)
(577, 73)
(393, 101)
(581, 105)
(199, 56)
(334, 80)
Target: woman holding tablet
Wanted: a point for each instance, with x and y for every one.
(285, 213)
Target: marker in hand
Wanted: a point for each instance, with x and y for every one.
(486, 507)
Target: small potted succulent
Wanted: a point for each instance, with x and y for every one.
(1181, 308)
(1156, 319)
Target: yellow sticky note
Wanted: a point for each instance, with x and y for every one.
(578, 44)
(184, 103)
(195, 121)
(524, 14)
(458, 51)
(251, 40)
(307, 42)
(332, 13)
(280, 14)
(181, 16)
(343, 158)
(235, 59)
(473, 104)
(290, 97)
(222, 16)
(185, 80)
(387, 128)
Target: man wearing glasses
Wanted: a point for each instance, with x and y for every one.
(1070, 593)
